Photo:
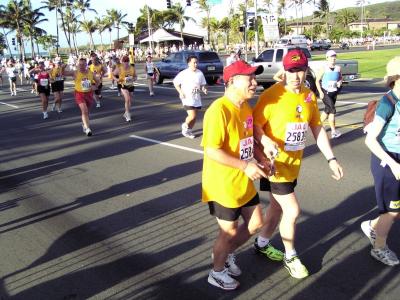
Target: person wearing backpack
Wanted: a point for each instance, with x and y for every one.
(383, 139)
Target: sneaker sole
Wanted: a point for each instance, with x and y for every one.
(387, 264)
(293, 275)
(213, 282)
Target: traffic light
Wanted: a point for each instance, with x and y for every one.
(168, 3)
(13, 41)
(188, 3)
(241, 28)
(251, 23)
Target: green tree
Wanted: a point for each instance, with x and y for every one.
(179, 12)
(89, 27)
(116, 18)
(204, 6)
(345, 16)
(83, 6)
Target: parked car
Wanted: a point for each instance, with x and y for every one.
(320, 45)
(208, 62)
(271, 60)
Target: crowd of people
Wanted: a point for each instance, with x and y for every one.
(242, 144)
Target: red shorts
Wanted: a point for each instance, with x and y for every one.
(84, 97)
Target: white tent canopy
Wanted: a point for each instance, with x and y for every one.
(160, 35)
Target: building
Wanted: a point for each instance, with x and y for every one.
(371, 24)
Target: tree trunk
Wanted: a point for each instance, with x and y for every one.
(101, 41)
(65, 30)
(32, 47)
(37, 47)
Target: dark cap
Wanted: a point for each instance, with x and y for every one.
(241, 68)
(295, 59)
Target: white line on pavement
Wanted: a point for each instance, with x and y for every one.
(13, 106)
(166, 144)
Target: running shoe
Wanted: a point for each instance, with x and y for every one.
(151, 94)
(87, 131)
(119, 94)
(59, 110)
(188, 134)
(230, 264)
(336, 134)
(385, 255)
(369, 231)
(222, 280)
(98, 105)
(45, 115)
(269, 251)
(295, 268)
(127, 117)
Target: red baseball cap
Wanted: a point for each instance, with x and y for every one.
(295, 59)
(240, 67)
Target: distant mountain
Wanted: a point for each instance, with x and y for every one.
(389, 10)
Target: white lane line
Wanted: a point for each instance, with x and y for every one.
(13, 106)
(166, 144)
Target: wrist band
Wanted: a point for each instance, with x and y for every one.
(333, 158)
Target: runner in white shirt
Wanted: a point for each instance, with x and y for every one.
(188, 83)
(12, 73)
(150, 70)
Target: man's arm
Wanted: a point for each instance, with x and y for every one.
(318, 83)
(251, 169)
(324, 146)
(270, 148)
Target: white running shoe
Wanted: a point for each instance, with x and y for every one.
(45, 115)
(369, 231)
(385, 255)
(151, 94)
(222, 280)
(127, 117)
(230, 264)
(336, 134)
(188, 134)
(87, 131)
(98, 105)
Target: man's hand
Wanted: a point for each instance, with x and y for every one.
(336, 169)
(253, 171)
(204, 89)
(267, 165)
(270, 148)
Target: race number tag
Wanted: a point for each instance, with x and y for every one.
(247, 148)
(44, 82)
(332, 86)
(295, 137)
(128, 80)
(195, 91)
(86, 85)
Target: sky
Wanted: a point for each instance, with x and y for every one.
(132, 7)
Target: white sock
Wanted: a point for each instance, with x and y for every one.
(262, 242)
(290, 254)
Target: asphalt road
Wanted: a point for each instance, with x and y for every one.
(118, 215)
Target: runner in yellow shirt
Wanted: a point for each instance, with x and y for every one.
(282, 117)
(98, 70)
(228, 171)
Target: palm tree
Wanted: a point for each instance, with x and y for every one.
(282, 10)
(89, 27)
(101, 27)
(225, 26)
(31, 27)
(206, 7)
(323, 13)
(83, 6)
(116, 18)
(179, 12)
(75, 28)
(108, 25)
(345, 17)
(13, 17)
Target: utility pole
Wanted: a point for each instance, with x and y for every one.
(245, 30)
(149, 27)
(57, 45)
(256, 27)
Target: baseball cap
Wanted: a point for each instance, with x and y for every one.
(330, 53)
(392, 70)
(295, 59)
(240, 67)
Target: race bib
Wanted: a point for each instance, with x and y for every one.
(59, 78)
(44, 82)
(295, 136)
(332, 86)
(196, 91)
(128, 80)
(86, 85)
(247, 148)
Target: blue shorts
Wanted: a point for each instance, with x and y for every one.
(387, 188)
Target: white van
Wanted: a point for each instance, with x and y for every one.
(295, 40)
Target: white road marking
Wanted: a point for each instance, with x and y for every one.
(166, 144)
(13, 106)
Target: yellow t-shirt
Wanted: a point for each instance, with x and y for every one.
(285, 118)
(229, 128)
(56, 74)
(97, 70)
(126, 76)
(83, 81)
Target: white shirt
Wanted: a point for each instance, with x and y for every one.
(11, 72)
(190, 83)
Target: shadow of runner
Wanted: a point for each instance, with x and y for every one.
(89, 282)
